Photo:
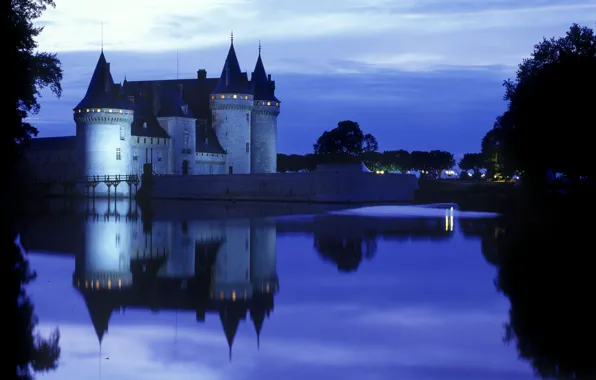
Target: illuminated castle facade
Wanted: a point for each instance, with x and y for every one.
(225, 125)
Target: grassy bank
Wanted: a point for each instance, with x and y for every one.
(476, 196)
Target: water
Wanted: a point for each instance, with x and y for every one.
(347, 295)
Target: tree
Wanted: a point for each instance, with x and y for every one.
(431, 164)
(551, 101)
(472, 161)
(495, 149)
(345, 141)
(29, 71)
(399, 160)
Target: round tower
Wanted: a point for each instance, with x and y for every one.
(104, 262)
(103, 129)
(263, 256)
(264, 121)
(231, 106)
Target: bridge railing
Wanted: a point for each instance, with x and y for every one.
(103, 178)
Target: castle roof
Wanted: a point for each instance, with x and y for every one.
(262, 87)
(102, 93)
(232, 79)
(145, 123)
(172, 104)
(195, 93)
(257, 315)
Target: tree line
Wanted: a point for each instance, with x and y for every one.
(347, 143)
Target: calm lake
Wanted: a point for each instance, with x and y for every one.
(233, 291)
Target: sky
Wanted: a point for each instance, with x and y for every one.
(420, 308)
(417, 74)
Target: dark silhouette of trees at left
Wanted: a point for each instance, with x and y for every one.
(27, 72)
(545, 269)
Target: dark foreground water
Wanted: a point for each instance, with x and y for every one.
(221, 292)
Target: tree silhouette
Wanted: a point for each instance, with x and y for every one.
(550, 100)
(345, 142)
(545, 270)
(29, 71)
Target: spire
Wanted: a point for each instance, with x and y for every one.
(232, 37)
(257, 315)
(230, 321)
(231, 80)
(100, 313)
(101, 91)
(262, 87)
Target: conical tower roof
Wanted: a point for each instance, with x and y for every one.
(100, 313)
(257, 315)
(231, 80)
(230, 321)
(262, 87)
(102, 93)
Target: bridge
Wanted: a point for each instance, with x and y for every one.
(91, 182)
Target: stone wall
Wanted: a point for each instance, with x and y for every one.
(210, 163)
(323, 186)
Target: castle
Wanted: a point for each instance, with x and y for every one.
(225, 125)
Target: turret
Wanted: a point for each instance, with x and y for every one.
(103, 128)
(264, 121)
(231, 106)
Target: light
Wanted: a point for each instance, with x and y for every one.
(267, 288)
(109, 284)
(245, 97)
(119, 284)
(87, 109)
(221, 295)
(234, 295)
(98, 110)
(86, 284)
(212, 97)
(120, 111)
(268, 103)
(110, 111)
(223, 96)
(277, 104)
(235, 96)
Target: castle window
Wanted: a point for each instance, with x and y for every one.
(118, 154)
(145, 125)
(206, 140)
(247, 119)
(138, 140)
(144, 140)
(158, 141)
(151, 140)
(121, 133)
(246, 97)
(135, 155)
(159, 156)
(186, 140)
(247, 147)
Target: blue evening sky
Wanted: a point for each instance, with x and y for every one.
(418, 74)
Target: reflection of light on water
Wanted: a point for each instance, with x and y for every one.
(449, 219)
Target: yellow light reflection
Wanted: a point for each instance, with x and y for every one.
(109, 284)
(86, 284)
(234, 295)
(451, 223)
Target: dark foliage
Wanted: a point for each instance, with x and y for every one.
(29, 72)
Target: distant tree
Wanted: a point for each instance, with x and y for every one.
(396, 160)
(373, 160)
(345, 142)
(28, 70)
(431, 164)
(551, 100)
(495, 150)
(472, 161)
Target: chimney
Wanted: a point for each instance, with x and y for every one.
(106, 79)
(181, 90)
(269, 77)
(202, 74)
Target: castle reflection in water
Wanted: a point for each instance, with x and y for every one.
(206, 258)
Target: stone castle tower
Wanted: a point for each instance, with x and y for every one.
(103, 127)
(244, 117)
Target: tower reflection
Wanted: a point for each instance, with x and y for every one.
(218, 266)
